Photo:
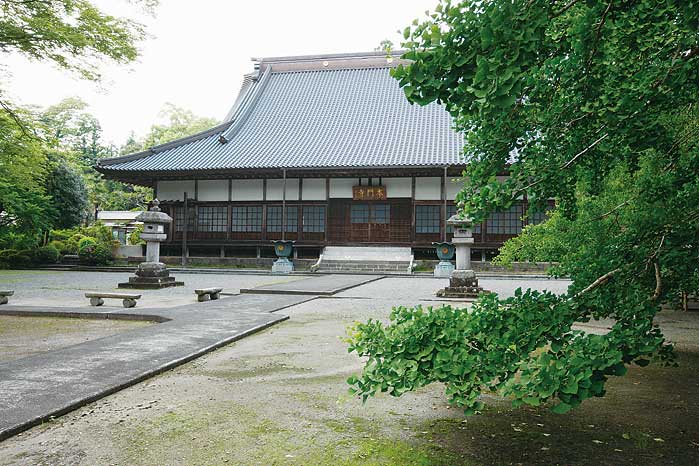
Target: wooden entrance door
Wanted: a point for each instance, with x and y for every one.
(370, 222)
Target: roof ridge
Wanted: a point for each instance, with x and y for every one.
(167, 145)
(331, 56)
(246, 107)
(320, 70)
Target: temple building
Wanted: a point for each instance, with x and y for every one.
(323, 150)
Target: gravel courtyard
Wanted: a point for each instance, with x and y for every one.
(280, 397)
(67, 289)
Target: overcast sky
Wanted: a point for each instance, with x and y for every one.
(199, 50)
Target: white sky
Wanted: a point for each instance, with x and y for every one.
(199, 50)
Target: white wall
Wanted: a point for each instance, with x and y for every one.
(246, 190)
(398, 187)
(275, 188)
(454, 185)
(313, 189)
(428, 188)
(174, 190)
(212, 190)
(342, 187)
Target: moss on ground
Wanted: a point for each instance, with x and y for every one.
(234, 434)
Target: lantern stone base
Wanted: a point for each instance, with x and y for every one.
(444, 269)
(151, 276)
(462, 284)
(282, 266)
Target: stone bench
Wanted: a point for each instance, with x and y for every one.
(97, 299)
(4, 296)
(205, 294)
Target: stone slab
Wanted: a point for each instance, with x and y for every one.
(324, 285)
(97, 294)
(40, 387)
(367, 253)
(149, 286)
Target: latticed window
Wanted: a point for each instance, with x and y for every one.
(428, 218)
(246, 218)
(508, 222)
(381, 213)
(212, 218)
(451, 211)
(274, 219)
(359, 213)
(314, 219)
(179, 219)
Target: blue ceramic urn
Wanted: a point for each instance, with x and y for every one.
(283, 248)
(445, 251)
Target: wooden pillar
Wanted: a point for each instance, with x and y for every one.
(185, 227)
(443, 226)
(284, 205)
(412, 210)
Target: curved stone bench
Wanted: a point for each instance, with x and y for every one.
(205, 294)
(128, 299)
(4, 296)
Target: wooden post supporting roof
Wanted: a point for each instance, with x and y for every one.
(284, 205)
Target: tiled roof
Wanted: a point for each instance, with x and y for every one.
(319, 118)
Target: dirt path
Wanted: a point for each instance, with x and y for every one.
(279, 397)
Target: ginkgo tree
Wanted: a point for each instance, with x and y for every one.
(593, 104)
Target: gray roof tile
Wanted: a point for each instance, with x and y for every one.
(340, 118)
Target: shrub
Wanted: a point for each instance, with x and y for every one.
(101, 233)
(93, 253)
(60, 246)
(48, 254)
(62, 235)
(13, 258)
(135, 236)
(72, 243)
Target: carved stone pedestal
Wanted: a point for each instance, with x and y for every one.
(444, 269)
(462, 284)
(282, 266)
(151, 276)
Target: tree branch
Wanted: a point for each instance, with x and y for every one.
(582, 152)
(16, 119)
(599, 282)
(658, 282)
(568, 6)
(691, 53)
(597, 35)
(607, 214)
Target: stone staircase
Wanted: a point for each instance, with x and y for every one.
(365, 259)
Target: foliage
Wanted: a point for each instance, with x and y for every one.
(593, 104)
(23, 202)
(15, 258)
(537, 243)
(72, 34)
(68, 195)
(48, 254)
(69, 240)
(93, 252)
(177, 123)
(60, 247)
(73, 243)
(135, 236)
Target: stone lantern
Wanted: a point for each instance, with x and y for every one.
(463, 282)
(152, 274)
